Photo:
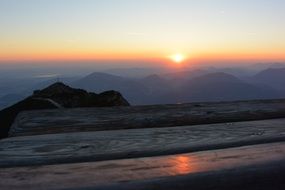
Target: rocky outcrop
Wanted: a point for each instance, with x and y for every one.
(57, 96)
(69, 97)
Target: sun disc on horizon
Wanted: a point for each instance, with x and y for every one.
(177, 58)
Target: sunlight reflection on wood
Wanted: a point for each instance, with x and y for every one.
(184, 164)
(180, 165)
(130, 170)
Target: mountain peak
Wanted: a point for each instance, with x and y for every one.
(59, 95)
(218, 77)
(57, 85)
(274, 77)
(102, 75)
(57, 88)
(71, 97)
(272, 70)
(152, 77)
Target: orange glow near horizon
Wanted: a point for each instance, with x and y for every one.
(178, 59)
(133, 30)
(43, 51)
(54, 49)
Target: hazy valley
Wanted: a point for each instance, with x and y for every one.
(161, 87)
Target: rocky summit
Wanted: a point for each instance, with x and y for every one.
(56, 96)
(68, 97)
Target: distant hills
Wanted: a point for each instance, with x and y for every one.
(209, 84)
(132, 89)
(274, 77)
(59, 95)
(223, 87)
(189, 86)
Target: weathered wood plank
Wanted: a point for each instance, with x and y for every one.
(96, 119)
(105, 145)
(250, 167)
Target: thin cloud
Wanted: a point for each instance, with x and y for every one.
(47, 76)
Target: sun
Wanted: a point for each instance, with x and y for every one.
(177, 58)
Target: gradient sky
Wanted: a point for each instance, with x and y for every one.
(142, 29)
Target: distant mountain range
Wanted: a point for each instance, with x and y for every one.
(178, 87)
(132, 89)
(274, 77)
(222, 87)
(189, 86)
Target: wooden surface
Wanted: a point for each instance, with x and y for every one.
(250, 167)
(96, 119)
(105, 145)
(143, 148)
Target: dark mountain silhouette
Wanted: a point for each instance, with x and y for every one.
(222, 87)
(185, 75)
(133, 72)
(48, 82)
(217, 78)
(263, 66)
(56, 96)
(69, 97)
(156, 84)
(182, 87)
(235, 71)
(133, 90)
(274, 77)
(14, 90)
(156, 88)
(176, 80)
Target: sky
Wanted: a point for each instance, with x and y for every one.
(199, 30)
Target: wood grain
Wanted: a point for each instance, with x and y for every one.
(251, 167)
(98, 119)
(133, 143)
